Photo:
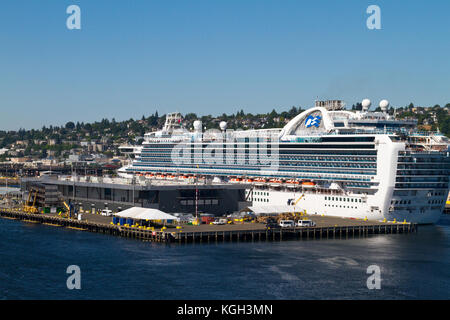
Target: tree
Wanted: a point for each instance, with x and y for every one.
(70, 125)
(357, 107)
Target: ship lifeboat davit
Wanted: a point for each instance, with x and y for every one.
(308, 184)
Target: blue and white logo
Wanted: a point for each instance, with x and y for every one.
(313, 121)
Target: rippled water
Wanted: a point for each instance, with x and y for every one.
(34, 258)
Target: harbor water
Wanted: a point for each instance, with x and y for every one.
(34, 260)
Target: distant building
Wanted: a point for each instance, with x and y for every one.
(20, 159)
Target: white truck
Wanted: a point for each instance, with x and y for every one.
(306, 223)
(220, 221)
(106, 213)
(287, 223)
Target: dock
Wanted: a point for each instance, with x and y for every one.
(326, 228)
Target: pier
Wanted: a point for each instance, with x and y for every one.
(326, 228)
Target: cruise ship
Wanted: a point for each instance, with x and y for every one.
(326, 160)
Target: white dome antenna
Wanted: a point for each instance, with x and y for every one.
(197, 125)
(384, 105)
(223, 125)
(366, 104)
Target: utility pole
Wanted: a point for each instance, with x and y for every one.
(133, 181)
(196, 197)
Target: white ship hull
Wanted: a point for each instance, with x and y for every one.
(350, 206)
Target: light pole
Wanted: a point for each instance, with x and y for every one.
(196, 198)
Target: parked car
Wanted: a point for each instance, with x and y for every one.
(220, 221)
(106, 212)
(287, 223)
(306, 223)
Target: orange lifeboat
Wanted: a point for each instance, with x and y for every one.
(260, 181)
(235, 180)
(292, 183)
(275, 182)
(308, 184)
(248, 180)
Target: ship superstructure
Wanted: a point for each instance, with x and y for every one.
(326, 160)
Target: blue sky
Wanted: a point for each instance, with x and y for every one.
(134, 57)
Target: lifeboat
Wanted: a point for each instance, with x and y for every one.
(275, 182)
(183, 178)
(292, 183)
(308, 184)
(260, 181)
(248, 180)
(160, 176)
(170, 177)
(235, 180)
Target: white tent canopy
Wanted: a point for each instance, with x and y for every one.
(145, 214)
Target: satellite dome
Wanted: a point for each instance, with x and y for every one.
(384, 104)
(366, 104)
(223, 125)
(197, 125)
